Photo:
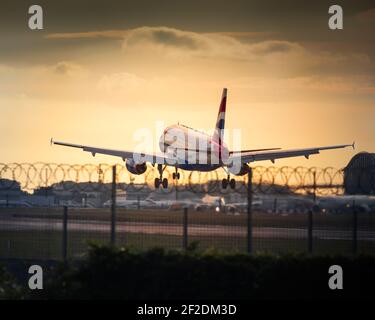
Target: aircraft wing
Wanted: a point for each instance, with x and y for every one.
(272, 155)
(152, 158)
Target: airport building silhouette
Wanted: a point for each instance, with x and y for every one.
(359, 174)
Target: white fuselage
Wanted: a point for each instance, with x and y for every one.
(197, 149)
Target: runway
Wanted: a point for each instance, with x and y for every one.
(39, 224)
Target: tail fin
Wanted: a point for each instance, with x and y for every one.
(220, 122)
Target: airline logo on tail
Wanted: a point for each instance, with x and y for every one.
(220, 122)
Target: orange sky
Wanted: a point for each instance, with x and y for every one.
(97, 85)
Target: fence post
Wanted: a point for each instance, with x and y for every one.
(314, 187)
(65, 235)
(185, 229)
(113, 207)
(249, 211)
(310, 219)
(275, 205)
(85, 201)
(310, 231)
(355, 228)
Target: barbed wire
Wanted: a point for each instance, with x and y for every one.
(33, 177)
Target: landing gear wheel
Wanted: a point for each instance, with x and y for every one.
(224, 183)
(157, 183)
(232, 183)
(165, 183)
(176, 175)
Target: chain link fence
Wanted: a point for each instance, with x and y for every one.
(50, 211)
(89, 177)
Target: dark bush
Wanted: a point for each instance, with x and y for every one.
(9, 287)
(113, 273)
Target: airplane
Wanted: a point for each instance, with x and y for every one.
(205, 203)
(135, 204)
(345, 203)
(208, 202)
(185, 148)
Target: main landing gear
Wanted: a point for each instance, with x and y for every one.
(164, 182)
(231, 182)
(161, 181)
(176, 175)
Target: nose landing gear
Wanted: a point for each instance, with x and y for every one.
(176, 175)
(231, 182)
(163, 182)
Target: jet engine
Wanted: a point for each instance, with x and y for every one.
(135, 168)
(244, 169)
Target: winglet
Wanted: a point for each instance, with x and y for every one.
(51, 141)
(353, 145)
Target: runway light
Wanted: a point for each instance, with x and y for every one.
(217, 209)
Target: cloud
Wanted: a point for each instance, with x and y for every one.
(182, 43)
(175, 42)
(274, 57)
(167, 37)
(151, 60)
(66, 68)
(219, 53)
(121, 33)
(160, 48)
(66, 79)
(115, 34)
(275, 46)
(246, 34)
